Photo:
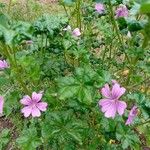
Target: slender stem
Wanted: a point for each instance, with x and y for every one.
(131, 70)
(65, 10)
(148, 121)
(116, 29)
(104, 54)
(13, 62)
(78, 9)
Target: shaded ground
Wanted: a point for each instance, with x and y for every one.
(7, 124)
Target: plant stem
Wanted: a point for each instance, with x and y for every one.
(78, 8)
(116, 29)
(65, 10)
(132, 64)
(148, 121)
(15, 66)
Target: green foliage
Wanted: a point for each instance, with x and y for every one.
(5, 137)
(145, 7)
(63, 130)
(49, 24)
(71, 70)
(81, 85)
(28, 139)
(127, 137)
(143, 102)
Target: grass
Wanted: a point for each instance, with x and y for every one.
(31, 9)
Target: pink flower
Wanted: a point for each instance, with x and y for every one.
(29, 42)
(111, 104)
(33, 105)
(1, 104)
(99, 8)
(76, 32)
(122, 11)
(3, 64)
(132, 115)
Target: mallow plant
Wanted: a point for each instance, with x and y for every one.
(78, 80)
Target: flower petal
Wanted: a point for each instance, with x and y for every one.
(26, 100)
(106, 91)
(111, 111)
(99, 7)
(133, 111)
(36, 96)
(121, 106)
(105, 103)
(3, 64)
(117, 91)
(36, 112)
(109, 107)
(42, 106)
(132, 115)
(27, 111)
(129, 120)
(76, 32)
(1, 104)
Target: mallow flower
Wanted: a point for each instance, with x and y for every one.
(76, 32)
(33, 105)
(3, 64)
(99, 8)
(132, 114)
(111, 103)
(1, 105)
(122, 11)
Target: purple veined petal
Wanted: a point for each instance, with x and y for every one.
(42, 106)
(121, 106)
(129, 120)
(1, 104)
(35, 112)
(105, 103)
(111, 111)
(106, 91)
(109, 107)
(26, 100)
(27, 111)
(36, 96)
(133, 113)
(117, 91)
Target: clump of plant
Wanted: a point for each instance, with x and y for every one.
(79, 80)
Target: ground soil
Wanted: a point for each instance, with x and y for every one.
(6, 123)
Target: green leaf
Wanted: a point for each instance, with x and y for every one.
(5, 137)
(145, 7)
(134, 26)
(29, 139)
